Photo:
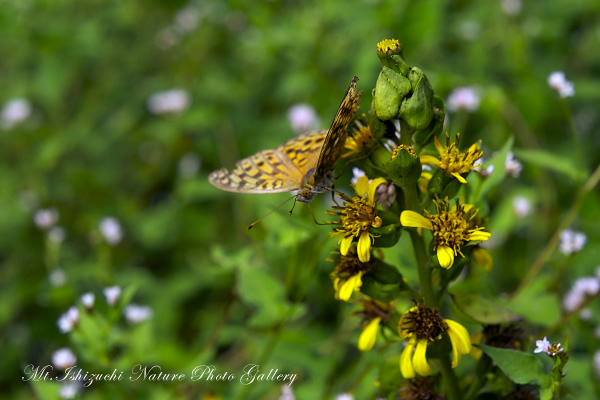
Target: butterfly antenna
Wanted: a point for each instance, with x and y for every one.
(294, 206)
(271, 212)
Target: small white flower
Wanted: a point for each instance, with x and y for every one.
(57, 234)
(344, 396)
(57, 277)
(302, 118)
(480, 169)
(189, 165)
(45, 218)
(464, 98)
(88, 299)
(68, 390)
(169, 102)
(542, 345)
(561, 85)
(356, 173)
(135, 313)
(63, 358)
(186, 19)
(111, 230)
(14, 112)
(112, 294)
(521, 206)
(511, 7)
(469, 30)
(68, 320)
(583, 287)
(287, 393)
(571, 241)
(512, 166)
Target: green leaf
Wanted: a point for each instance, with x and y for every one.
(383, 282)
(266, 295)
(554, 162)
(536, 305)
(521, 368)
(484, 310)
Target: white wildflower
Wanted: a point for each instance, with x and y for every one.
(111, 230)
(68, 390)
(464, 98)
(68, 320)
(169, 102)
(63, 358)
(521, 206)
(57, 277)
(88, 299)
(287, 393)
(14, 112)
(189, 165)
(571, 241)
(511, 7)
(46, 218)
(512, 166)
(57, 234)
(542, 345)
(561, 85)
(135, 313)
(112, 294)
(302, 118)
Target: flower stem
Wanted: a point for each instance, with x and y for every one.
(452, 389)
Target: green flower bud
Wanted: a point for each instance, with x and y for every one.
(405, 167)
(424, 136)
(417, 110)
(377, 127)
(390, 89)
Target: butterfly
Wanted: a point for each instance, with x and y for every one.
(304, 165)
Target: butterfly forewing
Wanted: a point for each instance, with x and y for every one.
(286, 168)
(336, 137)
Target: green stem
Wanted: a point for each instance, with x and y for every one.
(450, 380)
(483, 366)
(412, 203)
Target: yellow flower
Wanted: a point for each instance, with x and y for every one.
(347, 276)
(422, 325)
(373, 312)
(451, 228)
(359, 139)
(357, 217)
(452, 160)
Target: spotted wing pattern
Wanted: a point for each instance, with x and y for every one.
(273, 171)
(336, 137)
(284, 168)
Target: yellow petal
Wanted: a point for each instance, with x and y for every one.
(445, 256)
(419, 360)
(479, 235)
(429, 160)
(366, 341)
(345, 245)
(460, 340)
(372, 188)
(438, 146)
(362, 186)
(404, 333)
(458, 177)
(364, 247)
(406, 365)
(352, 283)
(412, 219)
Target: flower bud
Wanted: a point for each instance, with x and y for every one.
(443, 185)
(390, 90)
(405, 167)
(390, 54)
(417, 110)
(424, 136)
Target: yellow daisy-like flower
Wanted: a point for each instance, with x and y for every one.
(373, 312)
(359, 139)
(357, 217)
(347, 276)
(451, 228)
(422, 325)
(452, 160)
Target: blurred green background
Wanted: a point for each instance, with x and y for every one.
(90, 142)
